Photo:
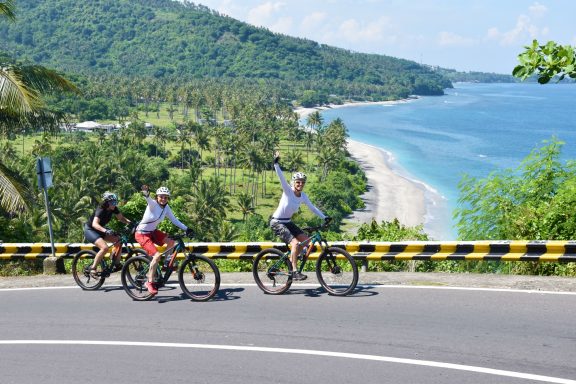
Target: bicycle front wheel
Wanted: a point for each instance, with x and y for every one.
(272, 271)
(199, 278)
(134, 277)
(336, 271)
(86, 279)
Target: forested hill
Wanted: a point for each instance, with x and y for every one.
(168, 39)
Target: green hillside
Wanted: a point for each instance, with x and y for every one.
(165, 39)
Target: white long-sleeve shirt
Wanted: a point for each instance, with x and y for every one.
(154, 215)
(289, 202)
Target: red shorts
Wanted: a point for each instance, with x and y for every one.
(147, 240)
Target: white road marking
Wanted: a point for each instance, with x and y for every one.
(426, 363)
(361, 286)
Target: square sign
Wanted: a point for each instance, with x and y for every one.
(44, 172)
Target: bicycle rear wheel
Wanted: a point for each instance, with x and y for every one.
(134, 278)
(199, 278)
(336, 271)
(83, 260)
(272, 271)
(133, 252)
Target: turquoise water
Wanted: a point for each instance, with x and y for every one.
(473, 129)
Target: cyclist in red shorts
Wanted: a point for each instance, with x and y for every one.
(147, 234)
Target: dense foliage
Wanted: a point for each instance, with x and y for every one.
(547, 61)
(533, 202)
(172, 40)
(213, 169)
(476, 77)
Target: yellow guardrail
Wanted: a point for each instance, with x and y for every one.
(545, 251)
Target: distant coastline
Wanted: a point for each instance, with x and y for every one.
(304, 111)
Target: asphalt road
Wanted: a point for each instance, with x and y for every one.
(381, 334)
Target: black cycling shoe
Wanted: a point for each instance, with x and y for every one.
(117, 267)
(298, 276)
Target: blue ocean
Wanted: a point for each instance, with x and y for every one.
(474, 129)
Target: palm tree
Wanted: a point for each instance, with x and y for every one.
(161, 136)
(245, 204)
(208, 208)
(21, 104)
(7, 9)
(183, 138)
(315, 121)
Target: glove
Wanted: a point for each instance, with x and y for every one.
(276, 159)
(110, 232)
(189, 232)
(327, 220)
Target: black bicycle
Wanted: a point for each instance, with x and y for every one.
(335, 268)
(91, 280)
(198, 276)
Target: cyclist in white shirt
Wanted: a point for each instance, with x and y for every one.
(147, 234)
(281, 221)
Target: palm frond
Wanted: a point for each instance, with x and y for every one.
(16, 97)
(14, 196)
(45, 80)
(7, 9)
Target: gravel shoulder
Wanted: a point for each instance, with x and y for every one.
(532, 283)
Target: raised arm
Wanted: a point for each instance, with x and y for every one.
(285, 186)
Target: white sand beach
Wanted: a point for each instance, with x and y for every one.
(389, 194)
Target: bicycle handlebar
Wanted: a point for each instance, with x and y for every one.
(178, 236)
(317, 228)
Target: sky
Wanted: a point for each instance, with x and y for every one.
(466, 35)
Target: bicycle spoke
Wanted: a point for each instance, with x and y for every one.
(337, 272)
(134, 278)
(199, 278)
(272, 271)
(86, 279)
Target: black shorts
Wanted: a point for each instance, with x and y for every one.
(285, 231)
(92, 235)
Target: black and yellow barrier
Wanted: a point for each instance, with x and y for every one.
(543, 251)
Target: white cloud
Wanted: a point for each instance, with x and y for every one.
(537, 9)
(282, 25)
(452, 39)
(263, 14)
(312, 21)
(523, 31)
(353, 31)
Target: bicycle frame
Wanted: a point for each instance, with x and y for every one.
(314, 239)
(117, 248)
(179, 246)
(310, 242)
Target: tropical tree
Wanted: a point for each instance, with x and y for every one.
(547, 61)
(534, 201)
(245, 204)
(315, 121)
(22, 104)
(208, 208)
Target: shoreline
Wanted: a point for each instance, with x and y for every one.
(305, 111)
(390, 195)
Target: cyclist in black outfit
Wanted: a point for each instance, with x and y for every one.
(95, 230)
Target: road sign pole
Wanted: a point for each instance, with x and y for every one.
(44, 172)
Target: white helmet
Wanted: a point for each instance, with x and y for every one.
(298, 176)
(163, 191)
(109, 196)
